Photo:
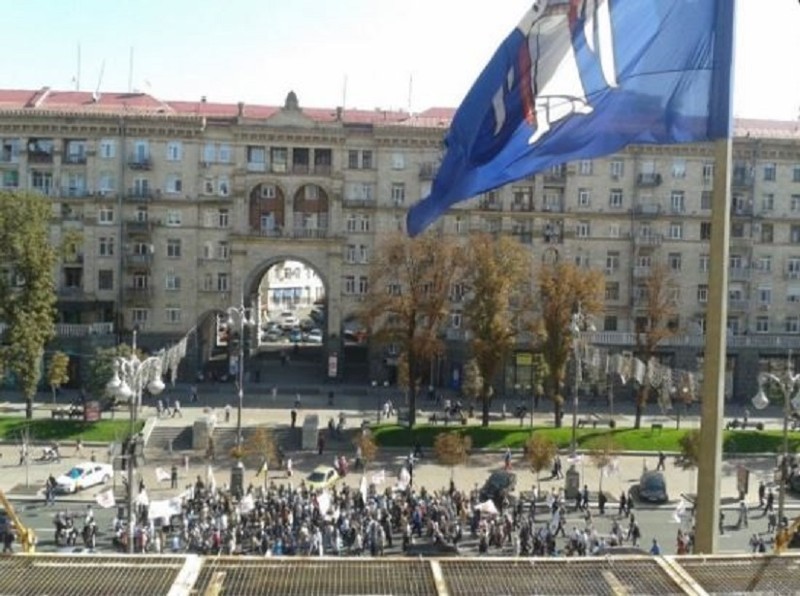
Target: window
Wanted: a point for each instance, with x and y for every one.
(737, 230)
(584, 197)
(208, 282)
(172, 282)
(105, 215)
(349, 284)
(175, 151)
(708, 173)
(764, 295)
(705, 199)
(794, 202)
(612, 290)
(705, 230)
(223, 186)
(675, 230)
(209, 153)
(768, 202)
(612, 261)
(350, 253)
(793, 267)
(676, 201)
(617, 169)
(767, 233)
(256, 158)
(363, 285)
(704, 262)
(674, 260)
(172, 314)
(613, 230)
(10, 179)
(455, 319)
(352, 159)
(366, 160)
(223, 282)
(224, 153)
(223, 218)
(792, 324)
(702, 293)
(398, 161)
(105, 279)
(174, 248)
(398, 193)
(105, 183)
(363, 254)
(764, 263)
(769, 172)
(794, 234)
(615, 198)
(679, 168)
(42, 182)
(460, 225)
(583, 229)
(351, 223)
(208, 186)
(107, 149)
(762, 324)
(735, 261)
(585, 167)
(139, 316)
(610, 323)
(223, 250)
(793, 294)
(174, 185)
(141, 152)
(140, 281)
(174, 218)
(280, 159)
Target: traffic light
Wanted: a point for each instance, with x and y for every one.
(222, 330)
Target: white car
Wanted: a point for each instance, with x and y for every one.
(84, 475)
(314, 336)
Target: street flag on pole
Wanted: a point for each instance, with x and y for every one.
(162, 474)
(578, 79)
(105, 499)
(263, 469)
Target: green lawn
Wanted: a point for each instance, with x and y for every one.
(628, 439)
(45, 429)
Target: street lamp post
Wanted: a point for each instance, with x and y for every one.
(789, 385)
(241, 317)
(580, 322)
(131, 377)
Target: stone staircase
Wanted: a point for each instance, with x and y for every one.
(160, 437)
(225, 437)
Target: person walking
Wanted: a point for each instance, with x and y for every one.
(176, 409)
(661, 460)
(227, 412)
(173, 476)
(655, 549)
(320, 443)
(507, 459)
(742, 515)
(79, 447)
(293, 415)
(762, 493)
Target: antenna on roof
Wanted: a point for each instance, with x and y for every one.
(96, 94)
(344, 93)
(130, 72)
(410, 89)
(78, 74)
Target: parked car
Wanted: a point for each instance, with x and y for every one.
(295, 336)
(652, 488)
(314, 336)
(288, 320)
(84, 475)
(499, 485)
(322, 477)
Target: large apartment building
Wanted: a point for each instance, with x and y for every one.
(176, 210)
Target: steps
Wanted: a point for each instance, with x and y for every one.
(225, 437)
(160, 437)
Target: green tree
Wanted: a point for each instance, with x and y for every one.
(27, 293)
(57, 372)
(658, 323)
(563, 288)
(540, 452)
(101, 368)
(452, 449)
(408, 300)
(690, 449)
(497, 278)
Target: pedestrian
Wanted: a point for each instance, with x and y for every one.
(297, 401)
(176, 409)
(742, 515)
(358, 463)
(769, 505)
(507, 459)
(623, 504)
(50, 491)
(745, 418)
(655, 550)
(721, 522)
(173, 476)
(79, 447)
(193, 394)
(661, 459)
(330, 398)
(274, 393)
(23, 453)
(293, 414)
(762, 492)
(210, 451)
(289, 467)
(601, 502)
(320, 443)
(227, 412)
(585, 498)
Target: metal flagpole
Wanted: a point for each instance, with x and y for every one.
(713, 406)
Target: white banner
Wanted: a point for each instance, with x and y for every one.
(106, 499)
(162, 475)
(247, 504)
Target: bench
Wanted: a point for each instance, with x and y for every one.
(656, 426)
(59, 413)
(71, 413)
(594, 420)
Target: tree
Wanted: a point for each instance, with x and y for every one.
(472, 380)
(452, 449)
(101, 368)
(563, 288)
(369, 448)
(657, 324)
(408, 300)
(259, 447)
(690, 449)
(57, 372)
(498, 277)
(540, 452)
(27, 293)
(601, 452)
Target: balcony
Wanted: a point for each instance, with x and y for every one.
(556, 175)
(75, 159)
(427, 171)
(358, 203)
(310, 233)
(648, 239)
(40, 157)
(73, 260)
(792, 273)
(742, 210)
(647, 209)
(739, 273)
(738, 305)
(641, 271)
(138, 295)
(741, 179)
(648, 180)
(523, 207)
(141, 164)
(256, 166)
(139, 194)
(138, 260)
(136, 225)
(490, 205)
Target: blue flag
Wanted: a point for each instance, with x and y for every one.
(578, 79)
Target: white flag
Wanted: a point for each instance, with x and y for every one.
(379, 477)
(210, 480)
(404, 480)
(247, 504)
(363, 487)
(106, 498)
(679, 511)
(162, 475)
(142, 499)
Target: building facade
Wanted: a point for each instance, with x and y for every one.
(173, 211)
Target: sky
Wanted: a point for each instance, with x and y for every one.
(412, 54)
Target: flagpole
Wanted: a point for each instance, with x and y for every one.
(713, 404)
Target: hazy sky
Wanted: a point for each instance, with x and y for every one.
(363, 53)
